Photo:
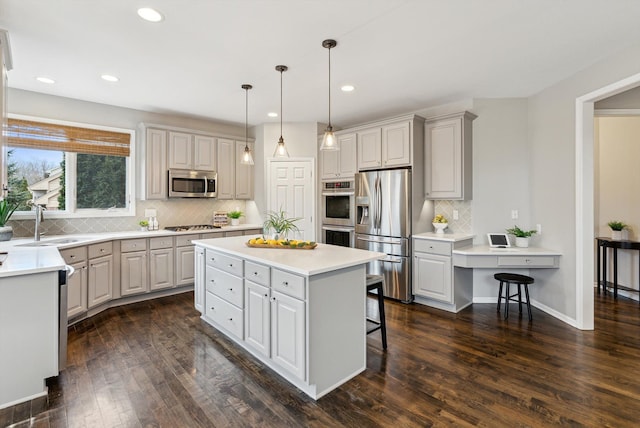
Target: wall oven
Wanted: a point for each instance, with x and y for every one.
(192, 184)
(337, 235)
(338, 203)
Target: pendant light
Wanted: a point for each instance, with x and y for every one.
(329, 141)
(247, 157)
(281, 150)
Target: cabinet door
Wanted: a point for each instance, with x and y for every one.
(369, 149)
(204, 153)
(396, 145)
(288, 333)
(432, 277)
(100, 280)
(155, 171)
(347, 153)
(199, 279)
(185, 265)
(77, 290)
(329, 164)
(244, 174)
(257, 317)
(180, 150)
(133, 273)
(443, 159)
(161, 268)
(226, 168)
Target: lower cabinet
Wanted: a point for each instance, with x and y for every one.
(161, 268)
(288, 333)
(432, 277)
(133, 267)
(77, 283)
(257, 316)
(100, 280)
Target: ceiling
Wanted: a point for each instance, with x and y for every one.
(401, 55)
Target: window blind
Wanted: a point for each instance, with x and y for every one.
(50, 136)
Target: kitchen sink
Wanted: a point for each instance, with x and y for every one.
(50, 242)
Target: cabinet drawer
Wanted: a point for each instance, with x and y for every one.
(432, 247)
(101, 249)
(257, 273)
(211, 235)
(74, 255)
(253, 232)
(133, 245)
(225, 285)
(524, 261)
(161, 242)
(225, 315)
(224, 262)
(184, 240)
(233, 233)
(288, 283)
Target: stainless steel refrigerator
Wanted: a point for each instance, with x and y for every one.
(383, 223)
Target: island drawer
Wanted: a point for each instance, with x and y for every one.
(225, 315)
(225, 285)
(129, 245)
(526, 261)
(432, 247)
(160, 242)
(224, 262)
(288, 283)
(257, 273)
(184, 240)
(74, 255)
(101, 249)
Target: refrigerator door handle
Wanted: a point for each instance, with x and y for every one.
(380, 241)
(379, 203)
(397, 261)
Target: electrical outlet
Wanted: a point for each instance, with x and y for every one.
(539, 229)
(514, 214)
(455, 214)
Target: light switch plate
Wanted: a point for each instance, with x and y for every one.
(150, 212)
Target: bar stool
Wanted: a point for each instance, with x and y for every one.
(520, 281)
(376, 283)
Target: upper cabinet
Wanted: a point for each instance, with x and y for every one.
(340, 164)
(153, 174)
(390, 144)
(191, 151)
(448, 157)
(235, 181)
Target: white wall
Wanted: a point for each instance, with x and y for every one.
(552, 162)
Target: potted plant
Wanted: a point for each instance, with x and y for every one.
(522, 236)
(280, 224)
(6, 210)
(235, 217)
(616, 229)
(144, 224)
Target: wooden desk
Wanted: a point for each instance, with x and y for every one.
(601, 254)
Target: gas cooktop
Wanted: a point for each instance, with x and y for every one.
(193, 227)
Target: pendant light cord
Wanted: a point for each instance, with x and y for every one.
(246, 118)
(329, 87)
(281, 70)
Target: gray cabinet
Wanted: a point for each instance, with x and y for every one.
(77, 283)
(235, 181)
(161, 263)
(133, 267)
(199, 280)
(448, 157)
(100, 276)
(343, 163)
(152, 174)
(192, 151)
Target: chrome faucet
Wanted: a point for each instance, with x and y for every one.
(39, 218)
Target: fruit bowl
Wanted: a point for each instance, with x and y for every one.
(281, 243)
(440, 227)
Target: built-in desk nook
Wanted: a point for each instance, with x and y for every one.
(444, 265)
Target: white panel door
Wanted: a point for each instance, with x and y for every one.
(291, 190)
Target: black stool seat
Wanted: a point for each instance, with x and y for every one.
(522, 281)
(376, 283)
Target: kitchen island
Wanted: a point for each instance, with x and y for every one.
(301, 312)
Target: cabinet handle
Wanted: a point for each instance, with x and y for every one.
(230, 319)
(273, 299)
(102, 250)
(285, 283)
(266, 295)
(72, 256)
(213, 280)
(212, 308)
(255, 273)
(230, 289)
(230, 265)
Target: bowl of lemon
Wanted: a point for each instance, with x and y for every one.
(294, 244)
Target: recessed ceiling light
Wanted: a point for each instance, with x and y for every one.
(150, 15)
(347, 88)
(109, 78)
(45, 80)
(272, 114)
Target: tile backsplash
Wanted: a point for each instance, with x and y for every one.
(169, 213)
(463, 224)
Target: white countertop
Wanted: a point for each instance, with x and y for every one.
(324, 258)
(485, 250)
(449, 237)
(23, 260)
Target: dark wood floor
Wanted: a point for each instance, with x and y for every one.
(157, 364)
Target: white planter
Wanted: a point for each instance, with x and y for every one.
(440, 227)
(616, 235)
(6, 233)
(522, 242)
(235, 221)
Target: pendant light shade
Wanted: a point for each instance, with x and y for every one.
(247, 156)
(281, 150)
(329, 141)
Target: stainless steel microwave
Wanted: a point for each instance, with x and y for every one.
(185, 183)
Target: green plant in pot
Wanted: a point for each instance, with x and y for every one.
(278, 224)
(144, 224)
(6, 210)
(617, 227)
(522, 236)
(235, 217)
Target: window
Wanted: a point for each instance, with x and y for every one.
(75, 170)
